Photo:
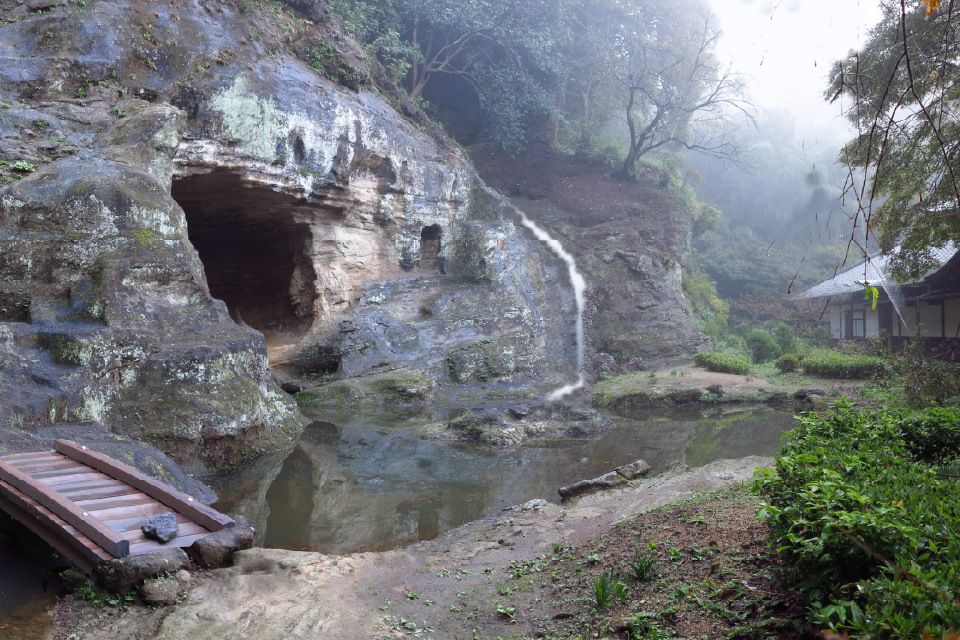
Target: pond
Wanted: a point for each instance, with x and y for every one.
(356, 483)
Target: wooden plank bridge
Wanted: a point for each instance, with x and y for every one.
(89, 507)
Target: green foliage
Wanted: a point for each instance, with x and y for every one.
(606, 588)
(832, 364)
(785, 337)
(762, 346)
(709, 311)
(723, 362)
(900, 93)
(787, 362)
(327, 61)
(920, 381)
(500, 50)
(873, 531)
(706, 217)
(818, 338)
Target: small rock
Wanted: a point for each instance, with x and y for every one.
(41, 5)
(162, 527)
(800, 394)
(119, 575)
(183, 578)
(634, 470)
(518, 411)
(160, 592)
(516, 531)
(535, 505)
(217, 549)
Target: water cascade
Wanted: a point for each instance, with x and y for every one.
(579, 287)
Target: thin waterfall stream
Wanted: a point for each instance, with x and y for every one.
(579, 289)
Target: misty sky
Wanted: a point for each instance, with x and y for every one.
(788, 47)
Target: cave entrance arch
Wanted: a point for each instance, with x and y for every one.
(430, 248)
(255, 254)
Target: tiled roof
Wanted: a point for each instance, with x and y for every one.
(875, 271)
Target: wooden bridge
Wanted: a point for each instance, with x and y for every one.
(89, 507)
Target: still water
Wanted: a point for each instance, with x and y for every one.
(357, 483)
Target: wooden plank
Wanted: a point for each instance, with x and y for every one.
(46, 465)
(73, 478)
(81, 494)
(110, 502)
(95, 483)
(65, 509)
(47, 456)
(176, 500)
(152, 545)
(142, 511)
(79, 549)
(123, 525)
(26, 456)
(75, 469)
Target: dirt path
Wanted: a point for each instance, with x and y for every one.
(445, 588)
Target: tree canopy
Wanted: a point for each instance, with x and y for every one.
(901, 92)
(640, 71)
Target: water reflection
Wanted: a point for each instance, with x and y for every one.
(28, 586)
(357, 483)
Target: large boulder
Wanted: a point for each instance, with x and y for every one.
(120, 575)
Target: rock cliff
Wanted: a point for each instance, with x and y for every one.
(200, 204)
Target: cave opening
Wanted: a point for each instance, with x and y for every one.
(255, 254)
(430, 248)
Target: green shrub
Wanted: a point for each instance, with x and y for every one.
(762, 346)
(785, 337)
(818, 338)
(723, 362)
(787, 362)
(873, 531)
(831, 364)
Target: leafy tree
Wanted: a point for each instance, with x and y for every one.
(503, 49)
(677, 94)
(901, 91)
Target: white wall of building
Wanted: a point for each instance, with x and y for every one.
(928, 318)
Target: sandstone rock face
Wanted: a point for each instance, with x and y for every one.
(193, 214)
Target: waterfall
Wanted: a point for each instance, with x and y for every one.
(579, 287)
